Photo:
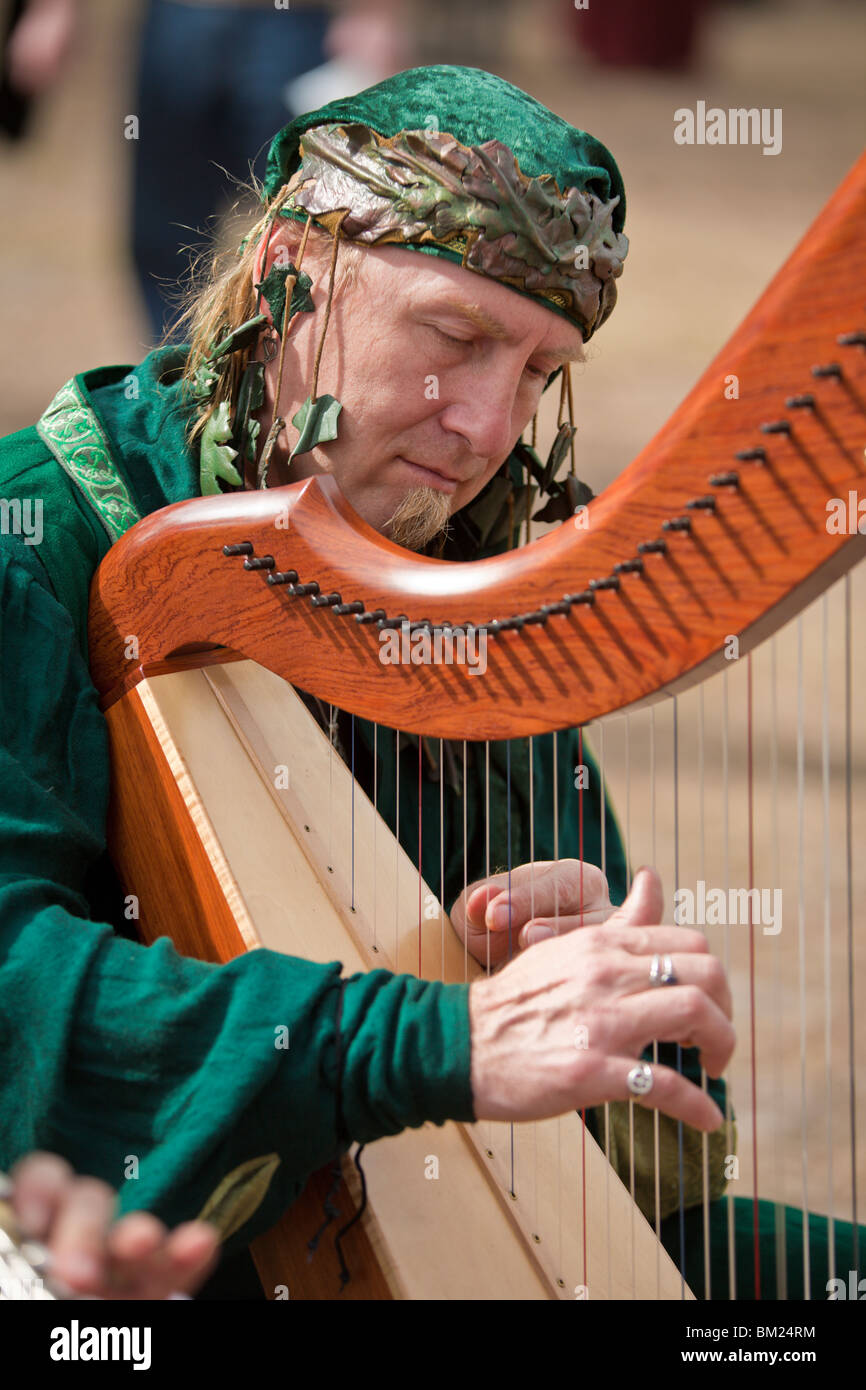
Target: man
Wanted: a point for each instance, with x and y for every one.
(136, 1063)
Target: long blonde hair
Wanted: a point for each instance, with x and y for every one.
(223, 295)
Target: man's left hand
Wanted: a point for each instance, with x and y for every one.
(503, 914)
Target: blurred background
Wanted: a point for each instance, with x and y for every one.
(708, 226)
(108, 171)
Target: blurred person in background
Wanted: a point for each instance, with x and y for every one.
(215, 80)
(83, 1249)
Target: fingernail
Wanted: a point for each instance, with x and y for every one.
(500, 917)
(536, 934)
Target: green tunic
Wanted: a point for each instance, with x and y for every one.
(113, 1052)
(150, 1070)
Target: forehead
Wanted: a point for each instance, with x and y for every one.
(491, 308)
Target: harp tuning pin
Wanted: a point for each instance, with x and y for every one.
(652, 548)
(561, 607)
(804, 402)
(343, 609)
(539, 616)
(725, 480)
(385, 622)
(856, 339)
(828, 369)
(374, 617)
(260, 562)
(629, 567)
(283, 577)
(702, 504)
(678, 523)
(584, 597)
(422, 624)
(242, 548)
(326, 600)
(301, 590)
(610, 583)
(777, 427)
(758, 455)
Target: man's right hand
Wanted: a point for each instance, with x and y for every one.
(562, 1025)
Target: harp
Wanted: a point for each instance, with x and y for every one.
(714, 569)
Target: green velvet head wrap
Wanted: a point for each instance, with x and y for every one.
(456, 162)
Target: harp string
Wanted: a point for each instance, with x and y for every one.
(801, 942)
(582, 1113)
(420, 850)
(849, 864)
(705, 1143)
(778, 1070)
(750, 811)
(729, 1114)
(679, 1051)
(443, 905)
(828, 1000)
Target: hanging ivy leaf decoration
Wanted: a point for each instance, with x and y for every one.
(556, 508)
(564, 498)
(317, 423)
(216, 454)
(273, 288)
(558, 451)
(204, 382)
(579, 494)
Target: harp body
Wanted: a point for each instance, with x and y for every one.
(719, 528)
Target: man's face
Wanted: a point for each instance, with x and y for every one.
(439, 371)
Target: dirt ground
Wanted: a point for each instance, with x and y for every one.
(708, 228)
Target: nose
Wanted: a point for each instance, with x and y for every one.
(481, 410)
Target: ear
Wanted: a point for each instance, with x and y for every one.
(277, 249)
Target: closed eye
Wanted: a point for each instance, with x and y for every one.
(542, 372)
(449, 337)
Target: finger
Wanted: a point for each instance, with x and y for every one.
(704, 971)
(671, 1093)
(548, 888)
(78, 1236)
(648, 941)
(194, 1250)
(180, 1263)
(645, 903)
(135, 1236)
(681, 1013)
(543, 928)
(478, 896)
(41, 1181)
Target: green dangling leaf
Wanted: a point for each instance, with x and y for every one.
(317, 423)
(204, 382)
(216, 454)
(273, 288)
(237, 338)
(558, 451)
(253, 427)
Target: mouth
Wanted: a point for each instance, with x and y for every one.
(430, 477)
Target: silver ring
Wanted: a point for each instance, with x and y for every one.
(662, 972)
(640, 1079)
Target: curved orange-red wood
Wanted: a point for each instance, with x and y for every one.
(743, 569)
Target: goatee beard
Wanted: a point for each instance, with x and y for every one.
(421, 516)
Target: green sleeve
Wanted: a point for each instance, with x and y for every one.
(119, 1056)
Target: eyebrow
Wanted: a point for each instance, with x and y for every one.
(490, 326)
